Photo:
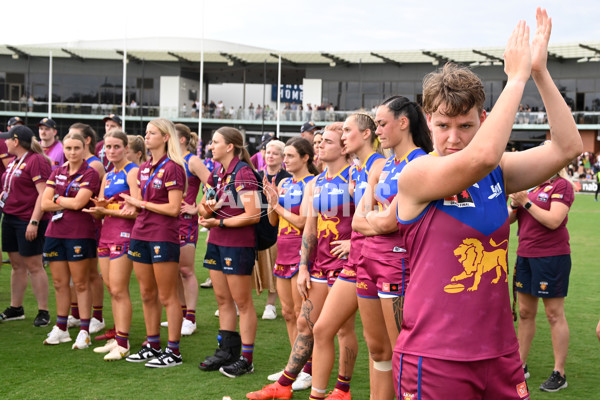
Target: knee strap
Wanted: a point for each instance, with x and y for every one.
(383, 366)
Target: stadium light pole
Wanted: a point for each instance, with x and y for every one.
(50, 86)
(124, 90)
(278, 94)
(200, 107)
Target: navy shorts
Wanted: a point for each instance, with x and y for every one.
(144, 252)
(230, 260)
(59, 249)
(546, 277)
(13, 236)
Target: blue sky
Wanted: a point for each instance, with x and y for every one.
(300, 25)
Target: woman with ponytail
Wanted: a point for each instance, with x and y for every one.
(154, 245)
(24, 224)
(231, 208)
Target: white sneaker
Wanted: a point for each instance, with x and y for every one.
(217, 313)
(83, 341)
(236, 310)
(72, 321)
(270, 312)
(275, 377)
(111, 344)
(117, 353)
(164, 324)
(57, 336)
(187, 327)
(96, 325)
(302, 382)
(207, 284)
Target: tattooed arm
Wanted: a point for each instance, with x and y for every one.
(309, 241)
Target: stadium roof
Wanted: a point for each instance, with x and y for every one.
(215, 51)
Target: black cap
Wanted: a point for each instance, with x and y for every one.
(14, 121)
(21, 132)
(308, 127)
(266, 138)
(113, 117)
(47, 122)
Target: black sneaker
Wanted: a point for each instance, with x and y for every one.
(526, 372)
(554, 383)
(238, 368)
(145, 354)
(42, 319)
(165, 360)
(12, 314)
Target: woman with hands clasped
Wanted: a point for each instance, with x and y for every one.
(114, 239)
(543, 267)
(327, 232)
(154, 244)
(458, 324)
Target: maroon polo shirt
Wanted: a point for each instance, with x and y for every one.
(158, 180)
(244, 181)
(74, 224)
(22, 191)
(3, 155)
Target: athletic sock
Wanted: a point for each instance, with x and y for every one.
(154, 341)
(97, 312)
(308, 367)
(287, 378)
(85, 325)
(61, 322)
(313, 397)
(343, 383)
(183, 310)
(247, 351)
(191, 316)
(75, 310)
(122, 339)
(174, 346)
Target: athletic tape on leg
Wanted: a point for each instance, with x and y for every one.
(383, 366)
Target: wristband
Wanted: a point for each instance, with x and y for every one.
(221, 223)
(55, 198)
(528, 205)
(513, 206)
(34, 222)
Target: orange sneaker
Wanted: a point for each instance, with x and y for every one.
(272, 391)
(338, 394)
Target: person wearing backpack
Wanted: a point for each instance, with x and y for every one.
(231, 209)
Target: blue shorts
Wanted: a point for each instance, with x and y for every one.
(59, 249)
(144, 252)
(13, 236)
(230, 260)
(546, 277)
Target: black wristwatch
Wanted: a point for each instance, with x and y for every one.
(221, 223)
(56, 196)
(34, 222)
(512, 206)
(528, 205)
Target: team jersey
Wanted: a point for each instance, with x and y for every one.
(192, 192)
(391, 245)
(115, 229)
(535, 240)
(359, 175)
(335, 207)
(56, 154)
(289, 237)
(457, 304)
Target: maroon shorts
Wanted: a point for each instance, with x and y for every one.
(285, 271)
(500, 378)
(383, 278)
(349, 272)
(324, 276)
(188, 231)
(112, 250)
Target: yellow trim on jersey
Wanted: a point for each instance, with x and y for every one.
(339, 174)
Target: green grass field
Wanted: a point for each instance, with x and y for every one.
(30, 370)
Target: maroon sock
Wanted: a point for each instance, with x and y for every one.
(287, 378)
(248, 351)
(61, 322)
(191, 316)
(85, 325)
(183, 310)
(122, 339)
(75, 310)
(97, 312)
(343, 383)
(154, 341)
(308, 367)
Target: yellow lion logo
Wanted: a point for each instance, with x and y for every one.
(283, 224)
(475, 261)
(327, 226)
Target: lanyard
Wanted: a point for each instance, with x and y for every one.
(152, 176)
(71, 184)
(11, 173)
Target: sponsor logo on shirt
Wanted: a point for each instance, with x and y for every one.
(157, 183)
(397, 249)
(463, 199)
(125, 234)
(169, 184)
(496, 191)
(557, 196)
(543, 197)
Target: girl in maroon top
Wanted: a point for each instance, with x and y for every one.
(154, 245)
(188, 227)
(24, 223)
(114, 240)
(71, 237)
(230, 252)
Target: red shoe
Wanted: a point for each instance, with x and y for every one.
(272, 391)
(109, 334)
(338, 394)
